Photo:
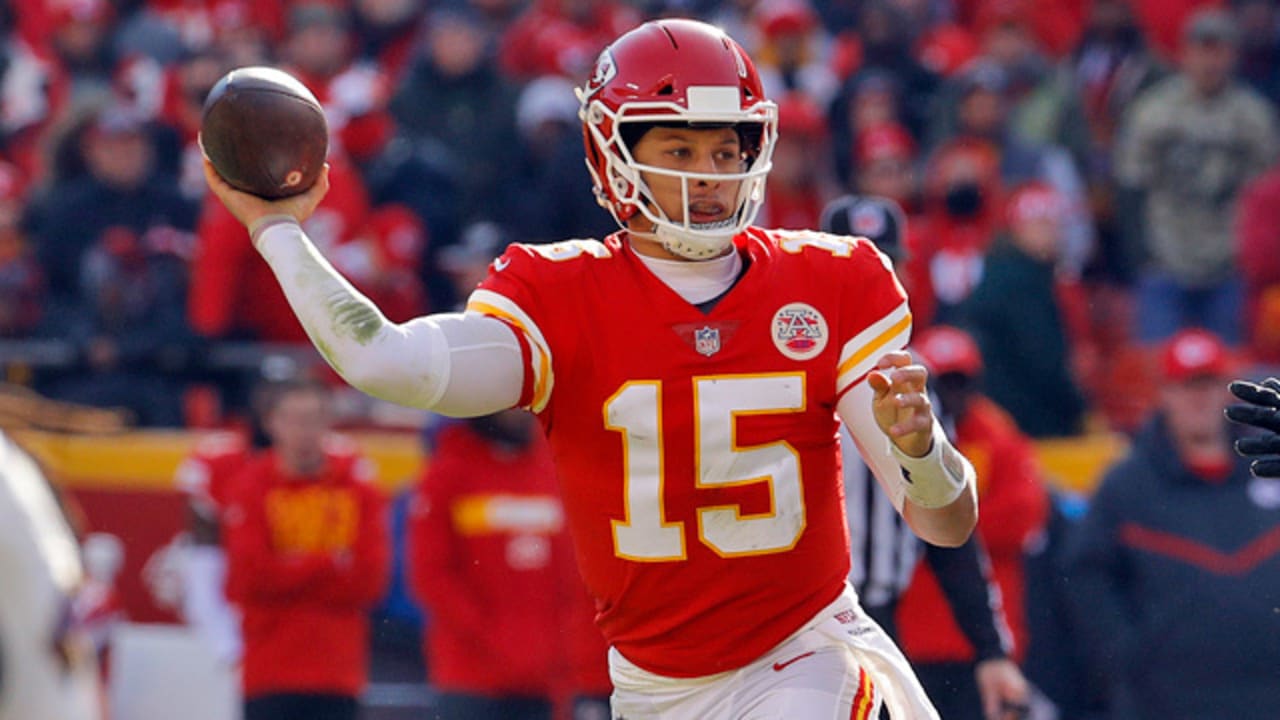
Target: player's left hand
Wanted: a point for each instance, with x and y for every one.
(1003, 689)
(901, 403)
(1262, 411)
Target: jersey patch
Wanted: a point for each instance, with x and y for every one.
(799, 331)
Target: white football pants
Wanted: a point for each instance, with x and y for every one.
(840, 665)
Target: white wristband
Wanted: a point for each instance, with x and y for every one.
(938, 478)
(266, 222)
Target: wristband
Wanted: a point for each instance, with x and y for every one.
(939, 477)
(262, 224)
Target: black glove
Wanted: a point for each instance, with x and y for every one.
(1263, 411)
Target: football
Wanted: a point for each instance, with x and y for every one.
(264, 132)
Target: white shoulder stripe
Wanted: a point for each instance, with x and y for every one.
(860, 354)
(487, 302)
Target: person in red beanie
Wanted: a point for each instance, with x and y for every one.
(308, 554)
(1014, 509)
(1174, 571)
(491, 563)
(802, 179)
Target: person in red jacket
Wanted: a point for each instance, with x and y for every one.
(308, 554)
(1014, 508)
(1258, 245)
(491, 563)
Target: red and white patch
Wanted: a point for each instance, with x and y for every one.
(799, 331)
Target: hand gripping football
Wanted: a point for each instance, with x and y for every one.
(264, 132)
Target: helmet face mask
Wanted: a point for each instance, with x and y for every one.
(681, 73)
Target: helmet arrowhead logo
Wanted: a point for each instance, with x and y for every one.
(604, 72)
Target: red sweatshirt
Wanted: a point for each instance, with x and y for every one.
(233, 291)
(490, 560)
(306, 559)
(1014, 505)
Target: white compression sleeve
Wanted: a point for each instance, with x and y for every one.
(455, 364)
(854, 409)
(932, 481)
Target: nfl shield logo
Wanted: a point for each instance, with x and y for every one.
(707, 340)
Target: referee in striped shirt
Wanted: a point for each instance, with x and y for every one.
(885, 551)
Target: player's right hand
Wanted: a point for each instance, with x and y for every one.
(1262, 411)
(248, 208)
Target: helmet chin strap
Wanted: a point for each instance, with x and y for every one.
(704, 244)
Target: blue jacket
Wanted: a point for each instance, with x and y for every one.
(1175, 582)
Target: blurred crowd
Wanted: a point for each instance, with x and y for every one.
(1080, 179)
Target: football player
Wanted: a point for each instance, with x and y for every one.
(1262, 411)
(690, 372)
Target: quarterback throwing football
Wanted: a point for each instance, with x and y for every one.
(690, 372)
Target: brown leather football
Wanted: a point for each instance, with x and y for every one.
(264, 132)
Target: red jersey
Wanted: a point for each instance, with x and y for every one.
(306, 560)
(697, 450)
(1014, 505)
(205, 476)
(491, 563)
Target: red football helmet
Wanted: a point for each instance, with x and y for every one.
(676, 71)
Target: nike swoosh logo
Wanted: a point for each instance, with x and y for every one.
(500, 264)
(778, 667)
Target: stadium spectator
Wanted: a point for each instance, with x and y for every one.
(802, 180)
(1014, 507)
(1259, 64)
(307, 557)
(1111, 65)
(551, 174)
(792, 56)
(561, 37)
(466, 263)
(232, 295)
(986, 96)
(454, 94)
(115, 247)
(490, 562)
(1176, 558)
(884, 160)
(1057, 657)
(1188, 146)
(33, 90)
(1018, 320)
(80, 35)
(48, 669)
(1041, 112)
(1257, 228)
(243, 27)
(109, 181)
(885, 44)
(205, 477)
(1052, 26)
(386, 31)
(961, 197)
(22, 287)
(867, 100)
(174, 96)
